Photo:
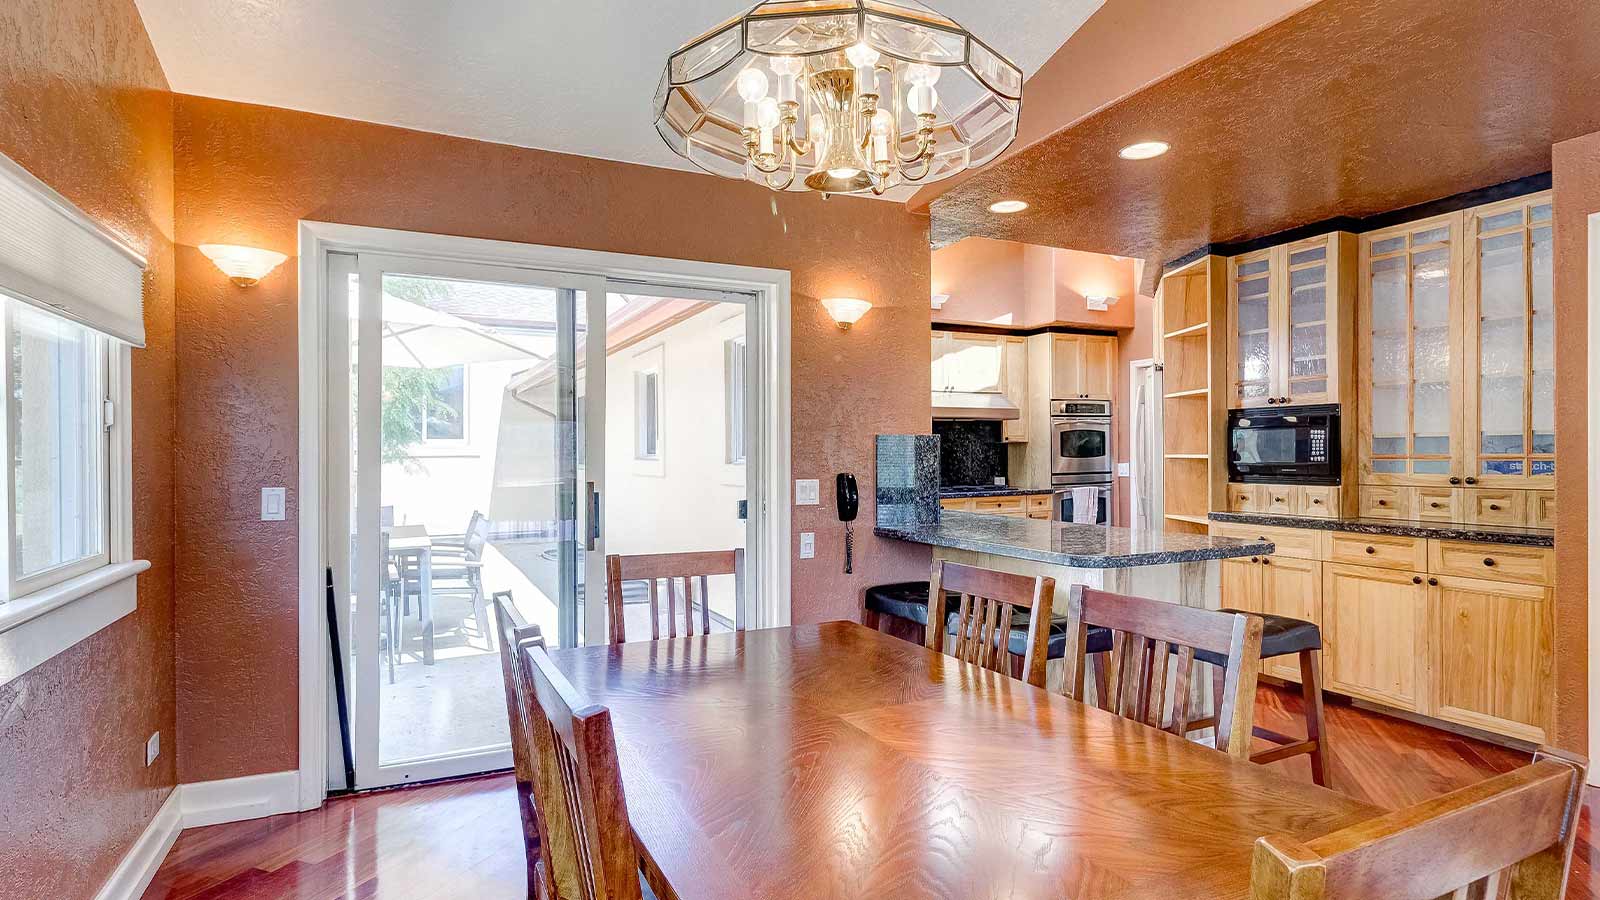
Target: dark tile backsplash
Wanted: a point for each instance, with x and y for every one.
(970, 452)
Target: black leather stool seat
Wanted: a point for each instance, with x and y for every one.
(1099, 638)
(1280, 636)
(904, 600)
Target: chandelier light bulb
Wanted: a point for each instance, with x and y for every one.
(922, 74)
(787, 66)
(922, 98)
(752, 85)
(767, 113)
(861, 56)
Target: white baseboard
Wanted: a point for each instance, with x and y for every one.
(139, 866)
(239, 799)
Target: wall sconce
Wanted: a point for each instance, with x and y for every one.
(939, 300)
(244, 266)
(846, 310)
(1099, 302)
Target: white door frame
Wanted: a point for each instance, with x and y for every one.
(1138, 370)
(767, 473)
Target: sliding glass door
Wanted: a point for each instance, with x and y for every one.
(454, 431)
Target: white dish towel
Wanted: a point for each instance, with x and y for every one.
(1085, 505)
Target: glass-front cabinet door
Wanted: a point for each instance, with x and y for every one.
(1254, 363)
(1309, 332)
(1412, 434)
(1511, 408)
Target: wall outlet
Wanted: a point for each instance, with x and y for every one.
(808, 544)
(152, 749)
(274, 501)
(806, 492)
(1123, 470)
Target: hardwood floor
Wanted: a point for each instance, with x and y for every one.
(463, 838)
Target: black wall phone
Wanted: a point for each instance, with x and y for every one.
(848, 503)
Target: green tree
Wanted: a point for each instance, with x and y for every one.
(411, 396)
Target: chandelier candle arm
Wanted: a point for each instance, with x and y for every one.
(860, 78)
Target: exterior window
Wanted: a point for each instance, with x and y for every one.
(445, 418)
(733, 402)
(58, 447)
(647, 414)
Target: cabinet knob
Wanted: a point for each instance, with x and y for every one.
(1383, 503)
(1371, 550)
(1266, 562)
(1471, 480)
(1316, 501)
(1277, 499)
(1488, 561)
(1416, 579)
(1433, 581)
(1434, 504)
(1495, 507)
(1272, 399)
(1455, 479)
(1255, 559)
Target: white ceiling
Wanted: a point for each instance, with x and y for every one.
(576, 76)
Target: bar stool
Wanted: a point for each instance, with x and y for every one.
(907, 600)
(1283, 636)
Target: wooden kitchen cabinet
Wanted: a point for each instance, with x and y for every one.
(1084, 366)
(1374, 622)
(972, 363)
(1291, 315)
(1490, 644)
(1456, 332)
(1014, 384)
(1275, 585)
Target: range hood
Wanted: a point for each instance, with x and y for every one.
(973, 405)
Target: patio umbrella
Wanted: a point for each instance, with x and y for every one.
(416, 337)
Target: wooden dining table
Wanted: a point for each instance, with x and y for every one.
(832, 761)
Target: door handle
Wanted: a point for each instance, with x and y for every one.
(594, 517)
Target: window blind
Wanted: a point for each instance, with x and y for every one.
(55, 257)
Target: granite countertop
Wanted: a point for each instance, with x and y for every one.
(1064, 544)
(990, 490)
(1444, 531)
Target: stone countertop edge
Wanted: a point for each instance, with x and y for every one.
(1443, 531)
(1073, 546)
(996, 491)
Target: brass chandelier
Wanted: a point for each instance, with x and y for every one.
(838, 96)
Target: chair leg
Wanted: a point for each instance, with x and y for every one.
(1316, 728)
(481, 611)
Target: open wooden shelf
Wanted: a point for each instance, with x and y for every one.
(1195, 520)
(1192, 329)
(1193, 392)
(1188, 456)
(1193, 319)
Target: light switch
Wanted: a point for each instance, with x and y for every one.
(805, 492)
(808, 544)
(1122, 470)
(152, 749)
(273, 502)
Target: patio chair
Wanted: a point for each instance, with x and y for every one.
(462, 560)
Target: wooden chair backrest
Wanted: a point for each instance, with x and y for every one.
(1144, 634)
(983, 630)
(675, 569)
(1510, 836)
(579, 795)
(515, 633)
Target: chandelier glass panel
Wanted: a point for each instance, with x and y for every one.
(838, 96)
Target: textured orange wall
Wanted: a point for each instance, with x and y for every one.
(1576, 173)
(983, 279)
(84, 106)
(1005, 283)
(247, 174)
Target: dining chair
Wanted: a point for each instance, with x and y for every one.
(579, 795)
(461, 560)
(983, 620)
(516, 633)
(1510, 836)
(1148, 634)
(675, 569)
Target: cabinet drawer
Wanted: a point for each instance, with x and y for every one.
(1296, 543)
(1280, 499)
(1541, 509)
(961, 503)
(998, 505)
(1385, 551)
(1495, 562)
(1245, 497)
(1438, 504)
(1385, 502)
(1491, 507)
(1319, 501)
(1037, 502)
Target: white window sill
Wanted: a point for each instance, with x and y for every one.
(36, 627)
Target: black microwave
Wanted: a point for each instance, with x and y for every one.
(1288, 444)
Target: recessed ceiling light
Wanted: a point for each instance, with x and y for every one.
(1008, 206)
(1143, 150)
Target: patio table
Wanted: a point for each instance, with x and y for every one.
(420, 548)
